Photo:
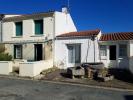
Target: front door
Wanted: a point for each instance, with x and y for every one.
(112, 56)
(38, 52)
(113, 52)
(74, 54)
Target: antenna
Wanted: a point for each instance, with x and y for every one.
(68, 5)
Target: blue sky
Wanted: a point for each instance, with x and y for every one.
(107, 15)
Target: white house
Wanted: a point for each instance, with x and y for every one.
(74, 48)
(117, 50)
(114, 50)
(30, 37)
(51, 38)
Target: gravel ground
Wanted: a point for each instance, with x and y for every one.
(59, 75)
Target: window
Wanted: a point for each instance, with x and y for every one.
(74, 53)
(18, 28)
(38, 27)
(123, 50)
(18, 51)
(103, 50)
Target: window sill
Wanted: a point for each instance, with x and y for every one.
(103, 57)
(17, 36)
(40, 35)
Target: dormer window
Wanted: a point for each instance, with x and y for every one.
(38, 27)
(19, 29)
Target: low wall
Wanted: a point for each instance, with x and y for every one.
(32, 69)
(5, 67)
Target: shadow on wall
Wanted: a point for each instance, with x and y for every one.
(128, 97)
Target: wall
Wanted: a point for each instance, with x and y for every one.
(32, 69)
(5, 67)
(131, 56)
(63, 23)
(28, 51)
(120, 62)
(61, 51)
(28, 30)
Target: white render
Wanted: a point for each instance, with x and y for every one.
(57, 24)
(32, 69)
(120, 62)
(61, 51)
(53, 24)
(63, 23)
(5, 67)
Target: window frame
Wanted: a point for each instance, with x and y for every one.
(21, 28)
(41, 27)
(123, 53)
(15, 52)
(105, 51)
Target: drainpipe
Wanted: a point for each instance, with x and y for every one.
(1, 27)
(53, 40)
(93, 38)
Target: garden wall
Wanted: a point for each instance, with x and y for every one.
(32, 69)
(5, 67)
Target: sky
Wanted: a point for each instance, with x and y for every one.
(107, 15)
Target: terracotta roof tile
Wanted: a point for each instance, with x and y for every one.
(117, 36)
(82, 33)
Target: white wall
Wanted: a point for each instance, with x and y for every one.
(63, 23)
(120, 62)
(61, 50)
(60, 23)
(32, 69)
(28, 30)
(131, 56)
(5, 67)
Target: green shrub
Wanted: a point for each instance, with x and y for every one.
(5, 57)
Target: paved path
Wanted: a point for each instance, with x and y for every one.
(13, 89)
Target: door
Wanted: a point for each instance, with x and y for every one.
(17, 51)
(112, 56)
(38, 52)
(74, 54)
(113, 52)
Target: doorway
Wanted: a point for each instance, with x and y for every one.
(38, 52)
(74, 54)
(112, 50)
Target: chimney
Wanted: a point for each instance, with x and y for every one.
(65, 10)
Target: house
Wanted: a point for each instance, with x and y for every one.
(31, 36)
(74, 48)
(43, 40)
(116, 50)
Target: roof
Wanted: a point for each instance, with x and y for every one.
(28, 16)
(117, 36)
(81, 33)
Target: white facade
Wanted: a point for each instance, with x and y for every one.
(121, 62)
(55, 23)
(87, 51)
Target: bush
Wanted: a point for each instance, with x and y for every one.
(5, 57)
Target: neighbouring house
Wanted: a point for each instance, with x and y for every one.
(30, 36)
(74, 48)
(116, 50)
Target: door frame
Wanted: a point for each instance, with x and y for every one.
(35, 52)
(67, 61)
